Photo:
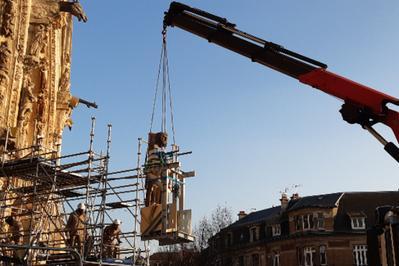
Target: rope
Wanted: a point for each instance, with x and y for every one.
(166, 93)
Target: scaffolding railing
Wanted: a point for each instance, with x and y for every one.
(42, 188)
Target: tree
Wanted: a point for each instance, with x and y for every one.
(220, 218)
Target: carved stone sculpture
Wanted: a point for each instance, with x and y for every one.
(39, 41)
(5, 54)
(9, 14)
(75, 9)
(26, 105)
(154, 167)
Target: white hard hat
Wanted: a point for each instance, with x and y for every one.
(82, 206)
(117, 222)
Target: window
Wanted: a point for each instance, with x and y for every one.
(254, 234)
(323, 255)
(299, 256)
(276, 259)
(358, 223)
(276, 229)
(241, 261)
(309, 221)
(242, 237)
(306, 224)
(360, 255)
(320, 220)
(255, 259)
(298, 223)
(309, 255)
(229, 239)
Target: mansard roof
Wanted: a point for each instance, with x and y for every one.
(365, 202)
(346, 202)
(258, 217)
(317, 201)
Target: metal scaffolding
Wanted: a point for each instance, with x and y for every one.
(41, 188)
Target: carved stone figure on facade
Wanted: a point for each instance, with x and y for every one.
(72, 103)
(26, 104)
(75, 9)
(40, 113)
(9, 15)
(65, 83)
(5, 55)
(4, 80)
(7, 136)
(39, 41)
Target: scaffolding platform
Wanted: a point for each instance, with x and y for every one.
(42, 188)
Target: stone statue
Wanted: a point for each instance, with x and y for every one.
(3, 86)
(10, 141)
(39, 41)
(26, 104)
(65, 81)
(154, 167)
(9, 18)
(5, 54)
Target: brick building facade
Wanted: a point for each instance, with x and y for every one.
(327, 229)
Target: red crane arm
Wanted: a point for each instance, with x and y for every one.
(363, 105)
(373, 101)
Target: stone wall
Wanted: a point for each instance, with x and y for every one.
(35, 63)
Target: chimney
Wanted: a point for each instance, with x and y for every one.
(284, 201)
(241, 215)
(295, 196)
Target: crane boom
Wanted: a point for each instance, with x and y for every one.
(362, 105)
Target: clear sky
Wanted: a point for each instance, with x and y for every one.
(252, 131)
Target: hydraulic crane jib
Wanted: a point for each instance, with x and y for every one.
(362, 105)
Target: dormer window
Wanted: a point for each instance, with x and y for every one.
(276, 229)
(320, 220)
(308, 221)
(358, 220)
(358, 223)
(253, 234)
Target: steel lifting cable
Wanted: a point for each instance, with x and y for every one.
(154, 103)
(170, 93)
(166, 93)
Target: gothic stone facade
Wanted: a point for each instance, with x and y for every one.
(327, 229)
(35, 98)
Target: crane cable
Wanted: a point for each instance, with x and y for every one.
(166, 93)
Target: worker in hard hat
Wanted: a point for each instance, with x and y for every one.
(16, 230)
(76, 228)
(111, 240)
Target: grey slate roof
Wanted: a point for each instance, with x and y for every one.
(346, 201)
(317, 201)
(365, 202)
(256, 217)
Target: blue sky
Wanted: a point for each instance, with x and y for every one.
(252, 131)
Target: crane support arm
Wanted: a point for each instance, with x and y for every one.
(362, 105)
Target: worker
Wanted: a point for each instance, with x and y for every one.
(76, 228)
(16, 230)
(111, 240)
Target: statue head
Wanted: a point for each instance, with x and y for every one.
(159, 139)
